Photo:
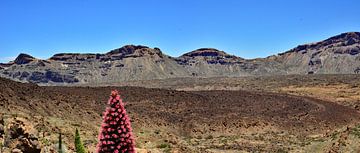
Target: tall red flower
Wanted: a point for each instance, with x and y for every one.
(116, 133)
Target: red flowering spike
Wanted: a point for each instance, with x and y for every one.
(114, 93)
(115, 133)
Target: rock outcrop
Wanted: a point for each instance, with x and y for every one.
(24, 59)
(209, 55)
(21, 137)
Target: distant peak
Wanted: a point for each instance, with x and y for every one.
(345, 36)
(207, 52)
(135, 51)
(127, 49)
(23, 59)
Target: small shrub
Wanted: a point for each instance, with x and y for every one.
(78, 144)
(1, 147)
(164, 145)
(45, 142)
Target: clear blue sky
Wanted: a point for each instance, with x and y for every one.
(246, 28)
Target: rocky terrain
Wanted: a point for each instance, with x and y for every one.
(303, 100)
(336, 55)
(166, 120)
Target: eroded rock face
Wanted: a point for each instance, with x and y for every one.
(45, 77)
(21, 137)
(336, 55)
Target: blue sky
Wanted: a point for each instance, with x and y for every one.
(246, 28)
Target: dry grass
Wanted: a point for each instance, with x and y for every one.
(344, 94)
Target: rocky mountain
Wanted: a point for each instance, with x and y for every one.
(336, 55)
(209, 62)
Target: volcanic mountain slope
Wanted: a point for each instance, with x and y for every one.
(126, 63)
(209, 62)
(336, 55)
(188, 121)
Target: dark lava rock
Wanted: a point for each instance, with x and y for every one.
(40, 77)
(24, 59)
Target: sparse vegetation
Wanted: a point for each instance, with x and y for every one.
(78, 144)
(356, 131)
(164, 145)
(1, 147)
(45, 142)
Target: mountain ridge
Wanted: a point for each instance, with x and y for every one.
(345, 35)
(336, 55)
